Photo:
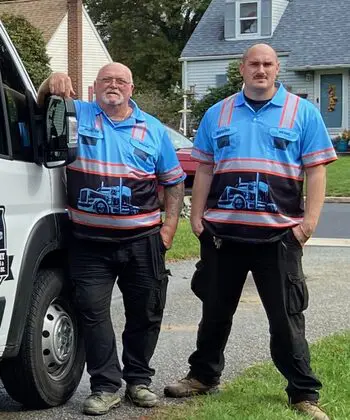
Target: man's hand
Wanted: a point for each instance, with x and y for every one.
(197, 226)
(57, 84)
(301, 235)
(60, 84)
(167, 235)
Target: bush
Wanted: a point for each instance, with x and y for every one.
(165, 107)
(30, 45)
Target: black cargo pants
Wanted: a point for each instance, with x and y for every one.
(142, 279)
(278, 275)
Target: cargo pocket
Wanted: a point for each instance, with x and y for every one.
(199, 281)
(298, 295)
(160, 272)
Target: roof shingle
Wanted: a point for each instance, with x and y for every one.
(315, 32)
(45, 15)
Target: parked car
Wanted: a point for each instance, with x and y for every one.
(183, 147)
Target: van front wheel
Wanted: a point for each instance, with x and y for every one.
(50, 363)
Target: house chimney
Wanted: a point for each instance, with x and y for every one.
(75, 45)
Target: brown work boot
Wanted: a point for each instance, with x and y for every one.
(188, 387)
(312, 409)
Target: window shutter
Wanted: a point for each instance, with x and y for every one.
(230, 19)
(266, 17)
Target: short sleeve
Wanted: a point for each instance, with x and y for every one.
(77, 105)
(203, 146)
(317, 147)
(168, 169)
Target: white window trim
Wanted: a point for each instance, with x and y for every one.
(345, 93)
(238, 20)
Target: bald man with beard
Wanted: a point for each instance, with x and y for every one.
(117, 231)
(254, 149)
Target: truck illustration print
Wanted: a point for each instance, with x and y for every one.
(250, 195)
(107, 200)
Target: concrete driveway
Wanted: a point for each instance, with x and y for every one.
(328, 276)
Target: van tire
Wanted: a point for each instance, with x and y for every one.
(50, 362)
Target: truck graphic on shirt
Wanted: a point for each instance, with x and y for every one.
(107, 200)
(250, 195)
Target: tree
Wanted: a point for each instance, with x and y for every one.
(148, 36)
(30, 45)
(214, 95)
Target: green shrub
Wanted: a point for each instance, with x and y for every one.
(30, 46)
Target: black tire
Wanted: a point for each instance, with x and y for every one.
(50, 363)
(101, 207)
(239, 203)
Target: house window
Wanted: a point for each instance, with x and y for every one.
(248, 18)
(221, 80)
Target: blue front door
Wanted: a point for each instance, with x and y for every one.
(332, 100)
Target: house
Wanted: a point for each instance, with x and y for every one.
(72, 41)
(311, 38)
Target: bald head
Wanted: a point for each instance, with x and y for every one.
(113, 87)
(116, 68)
(260, 49)
(259, 70)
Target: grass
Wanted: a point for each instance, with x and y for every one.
(338, 177)
(185, 244)
(258, 394)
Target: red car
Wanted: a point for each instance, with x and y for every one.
(183, 147)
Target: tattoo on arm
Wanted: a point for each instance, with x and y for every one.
(173, 200)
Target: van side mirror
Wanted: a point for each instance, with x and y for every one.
(61, 135)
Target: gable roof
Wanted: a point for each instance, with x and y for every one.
(314, 32)
(45, 15)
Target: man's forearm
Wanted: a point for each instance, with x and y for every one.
(200, 191)
(315, 194)
(173, 201)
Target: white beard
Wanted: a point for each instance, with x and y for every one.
(115, 100)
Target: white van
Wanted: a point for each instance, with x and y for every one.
(41, 349)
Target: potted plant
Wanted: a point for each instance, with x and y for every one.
(341, 141)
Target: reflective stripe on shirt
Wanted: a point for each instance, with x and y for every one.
(115, 222)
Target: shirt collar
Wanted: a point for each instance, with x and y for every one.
(278, 99)
(136, 111)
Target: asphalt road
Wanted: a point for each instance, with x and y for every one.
(334, 221)
(327, 271)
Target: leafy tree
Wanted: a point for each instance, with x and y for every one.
(164, 107)
(214, 95)
(148, 36)
(30, 45)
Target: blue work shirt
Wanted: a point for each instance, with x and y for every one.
(112, 185)
(258, 162)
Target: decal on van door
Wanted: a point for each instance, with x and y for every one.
(5, 260)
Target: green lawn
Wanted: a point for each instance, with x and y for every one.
(338, 177)
(185, 244)
(258, 394)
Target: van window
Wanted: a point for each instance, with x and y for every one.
(16, 106)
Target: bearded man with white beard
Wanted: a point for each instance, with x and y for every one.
(117, 231)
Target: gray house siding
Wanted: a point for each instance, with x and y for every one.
(202, 74)
(278, 8)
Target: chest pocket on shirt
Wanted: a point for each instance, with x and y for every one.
(142, 150)
(283, 137)
(89, 136)
(226, 140)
